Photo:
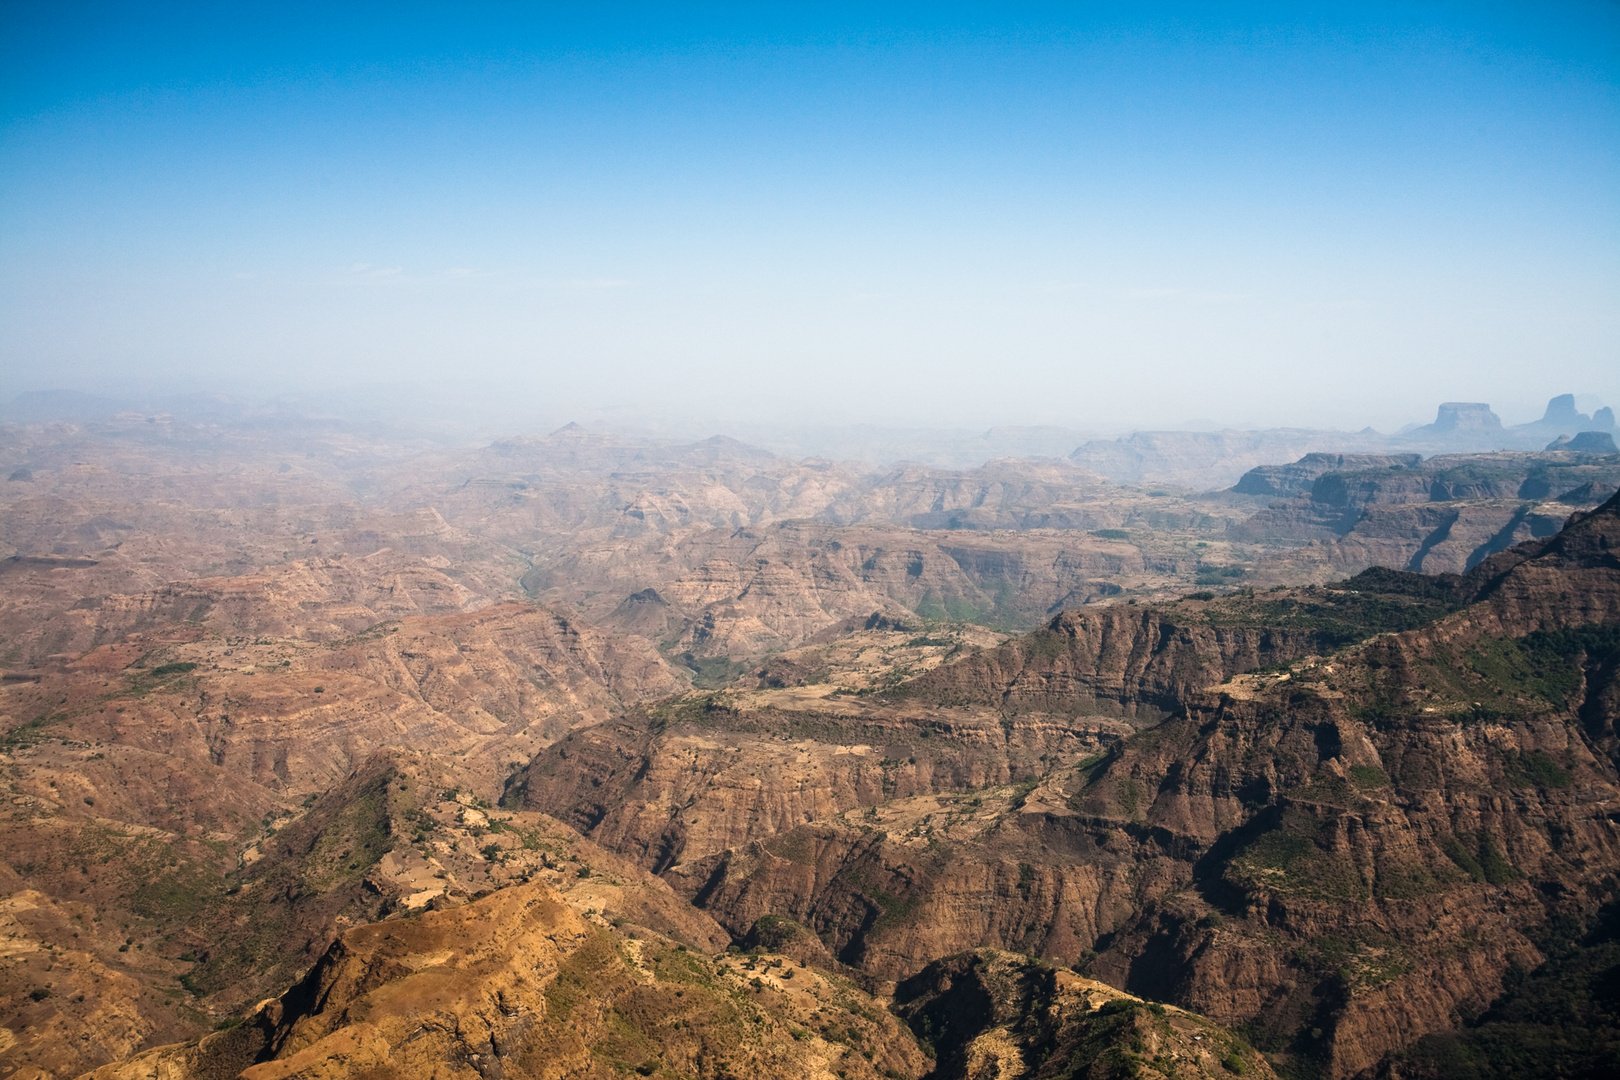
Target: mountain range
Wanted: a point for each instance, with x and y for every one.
(331, 752)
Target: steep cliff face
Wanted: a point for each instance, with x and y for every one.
(692, 779)
(1145, 661)
(1445, 785)
(888, 889)
(1342, 818)
(1298, 477)
(1461, 476)
(1377, 851)
(1443, 515)
(1341, 853)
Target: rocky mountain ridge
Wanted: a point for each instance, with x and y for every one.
(1281, 800)
(1386, 785)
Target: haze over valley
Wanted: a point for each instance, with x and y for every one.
(970, 543)
(268, 680)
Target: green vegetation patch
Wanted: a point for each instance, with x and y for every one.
(585, 977)
(357, 836)
(795, 847)
(1328, 787)
(1536, 768)
(597, 1005)
(1562, 1020)
(1044, 644)
(1130, 795)
(1022, 791)
(1479, 858)
(1368, 777)
(896, 910)
(1502, 678)
(32, 732)
(683, 967)
(712, 672)
(1218, 575)
(1001, 612)
(1365, 960)
(1290, 858)
(1403, 881)
(176, 893)
(1336, 617)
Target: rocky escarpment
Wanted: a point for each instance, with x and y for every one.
(182, 941)
(1144, 661)
(1276, 864)
(191, 811)
(1376, 851)
(147, 776)
(1455, 416)
(1446, 514)
(1342, 853)
(889, 888)
(390, 840)
(1298, 477)
(694, 778)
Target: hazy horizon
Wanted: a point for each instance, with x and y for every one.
(474, 415)
(933, 218)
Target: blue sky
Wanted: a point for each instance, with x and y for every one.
(1089, 214)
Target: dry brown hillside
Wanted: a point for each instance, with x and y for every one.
(772, 767)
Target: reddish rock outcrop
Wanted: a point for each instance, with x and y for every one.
(1345, 853)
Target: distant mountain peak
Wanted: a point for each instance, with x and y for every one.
(1465, 415)
(1561, 412)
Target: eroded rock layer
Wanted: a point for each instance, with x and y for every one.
(1342, 849)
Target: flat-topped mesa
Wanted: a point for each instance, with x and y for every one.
(1466, 416)
(1296, 477)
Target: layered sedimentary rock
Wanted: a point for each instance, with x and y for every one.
(1443, 515)
(1344, 851)
(1463, 416)
(252, 706)
(692, 779)
(1117, 660)
(1298, 477)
